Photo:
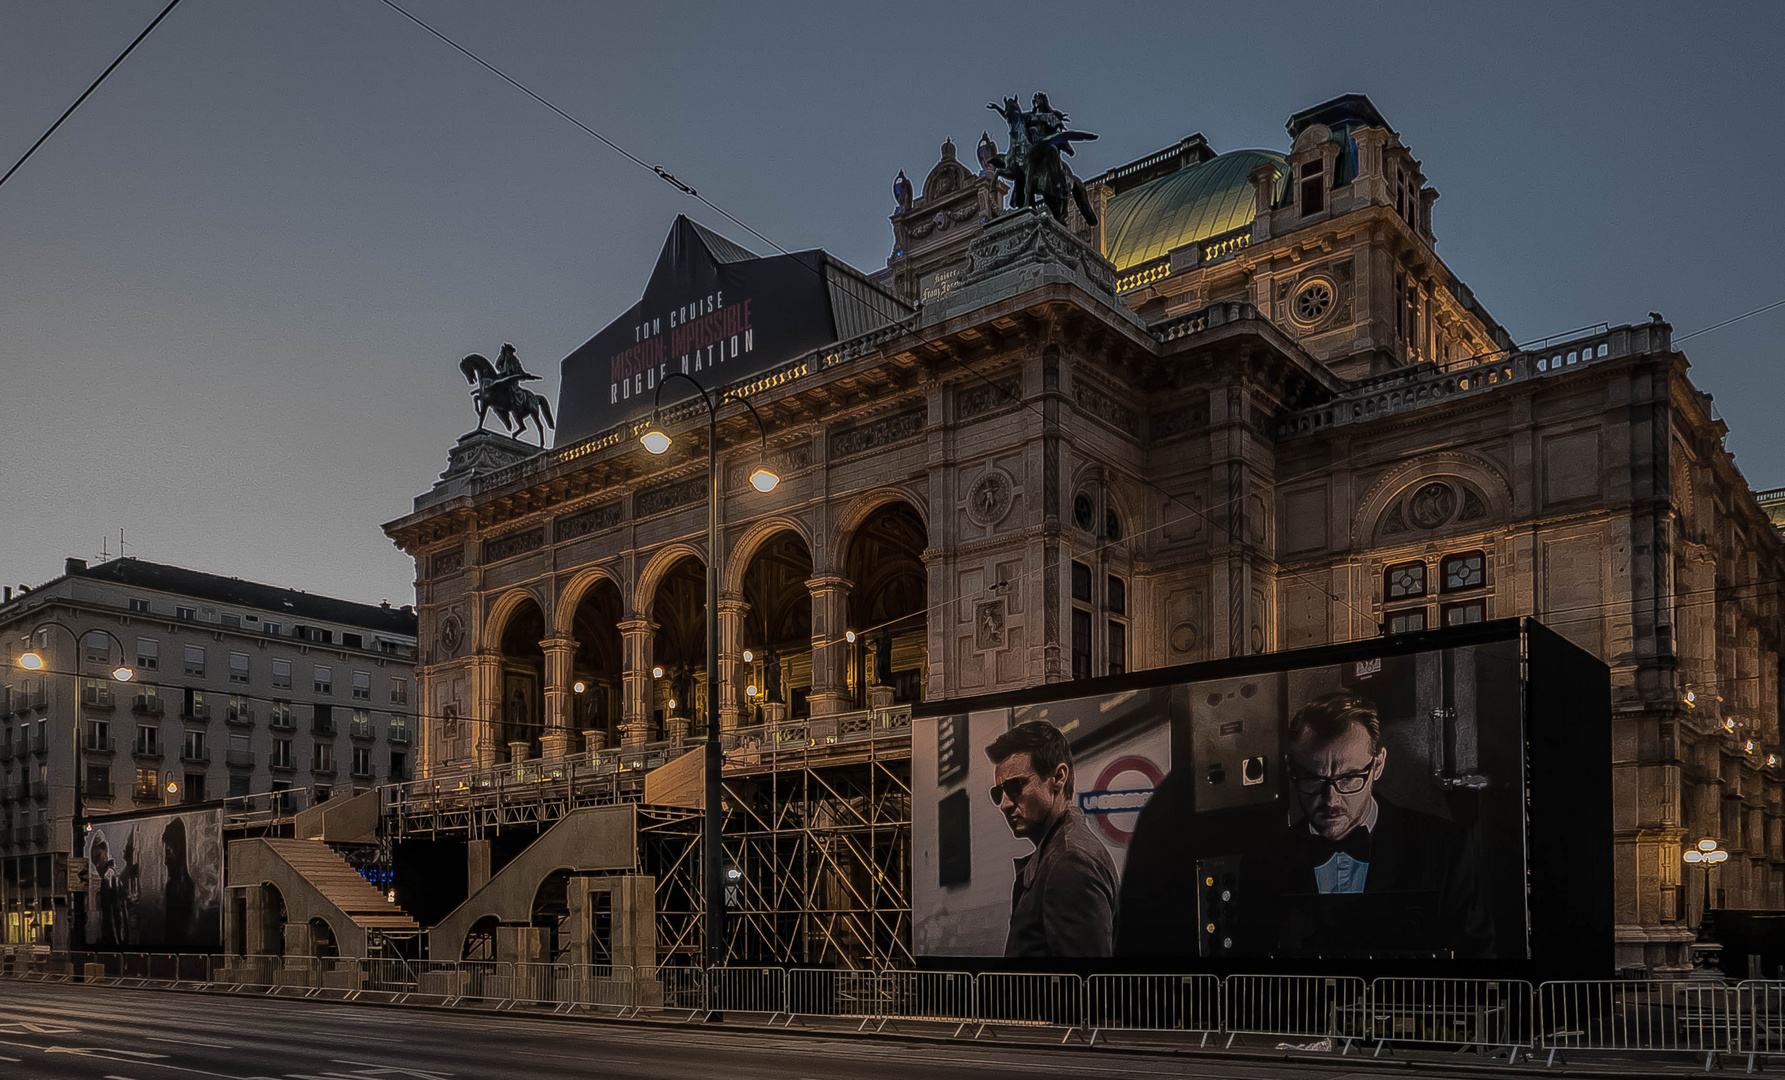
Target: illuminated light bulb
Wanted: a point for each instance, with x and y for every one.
(123, 673)
(750, 691)
(173, 787)
(1771, 760)
(1729, 723)
(763, 480)
(656, 673)
(1748, 747)
(849, 636)
(578, 686)
(655, 441)
(1693, 856)
(1707, 844)
(31, 661)
(672, 703)
(749, 656)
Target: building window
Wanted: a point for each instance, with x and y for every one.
(399, 691)
(362, 761)
(99, 782)
(282, 674)
(1081, 582)
(238, 667)
(1118, 648)
(186, 614)
(194, 790)
(270, 629)
(99, 735)
(1112, 526)
(98, 648)
(362, 686)
(139, 605)
(231, 620)
(352, 641)
(195, 661)
(146, 788)
(1118, 597)
(1406, 622)
(1405, 580)
(193, 749)
(324, 682)
(1084, 512)
(1313, 188)
(281, 757)
(148, 740)
(322, 757)
(1081, 644)
(1469, 611)
(1465, 571)
(148, 653)
(238, 786)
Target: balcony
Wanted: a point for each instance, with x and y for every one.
(35, 699)
(278, 763)
(195, 755)
(324, 769)
(36, 792)
(322, 727)
(11, 748)
(239, 759)
(39, 743)
(197, 710)
(98, 744)
(398, 732)
(97, 787)
(146, 796)
(361, 729)
(279, 719)
(148, 705)
(364, 773)
(40, 833)
(98, 697)
(143, 751)
(239, 716)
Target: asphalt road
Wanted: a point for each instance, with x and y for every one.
(104, 1033)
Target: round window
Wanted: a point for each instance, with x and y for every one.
(1313, 301)
(1084, 514)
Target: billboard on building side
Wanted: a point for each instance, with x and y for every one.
(155, 883)
(1364, 802)
(713, 310)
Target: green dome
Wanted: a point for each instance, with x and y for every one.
(1192, 204)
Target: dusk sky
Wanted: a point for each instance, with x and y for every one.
(235, 286)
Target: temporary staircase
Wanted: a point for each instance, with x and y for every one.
(342, 887)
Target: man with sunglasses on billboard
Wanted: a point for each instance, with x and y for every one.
(1358, 875)
(1063, 902)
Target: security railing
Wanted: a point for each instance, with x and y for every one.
(1489, 1017)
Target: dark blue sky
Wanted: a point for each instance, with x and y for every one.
(235, 286)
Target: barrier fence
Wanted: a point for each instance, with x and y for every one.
(1490, 1017)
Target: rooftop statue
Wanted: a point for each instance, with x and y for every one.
(1035, 162)
(498, 387)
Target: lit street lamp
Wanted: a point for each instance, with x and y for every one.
(657, 441)
(1707, 854)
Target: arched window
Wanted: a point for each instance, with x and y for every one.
(1462, 571)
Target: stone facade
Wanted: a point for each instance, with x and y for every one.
(1298, 430)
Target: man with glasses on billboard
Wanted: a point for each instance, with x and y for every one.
(1358, 875)
(1063, 902)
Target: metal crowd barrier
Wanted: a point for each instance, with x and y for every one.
(1630, 1015)
(1182, 1003)
(1315, 1012)
(1319, 1007)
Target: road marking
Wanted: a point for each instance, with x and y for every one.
(366, 1068)
(111, 1077)
(189, 1042)
(100, 1051)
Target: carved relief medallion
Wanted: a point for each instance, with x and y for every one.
(988, 624)
(989, 500)
(452, 635)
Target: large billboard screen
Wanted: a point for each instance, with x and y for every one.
(155, 883)
(1368, 808)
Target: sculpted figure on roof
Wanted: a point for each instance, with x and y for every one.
(1035, 163)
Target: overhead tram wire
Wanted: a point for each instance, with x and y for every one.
(84, 95)
(656, 170)
(1726, 322)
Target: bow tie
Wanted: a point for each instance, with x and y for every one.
(1355, 843)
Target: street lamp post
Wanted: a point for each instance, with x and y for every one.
(762, 479)
(1706, 854)
(32, 660)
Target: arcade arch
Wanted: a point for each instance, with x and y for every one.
(521, 714)
(676, 700)
(775, 626)
(599, 662)
(888, 597)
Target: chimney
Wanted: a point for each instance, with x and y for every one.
(74, 566)
(8, 596)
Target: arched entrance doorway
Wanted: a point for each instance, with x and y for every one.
(599, 663)
(677, 697)
(521, 715)
(887, 602)
(777, 626)
(551, 912)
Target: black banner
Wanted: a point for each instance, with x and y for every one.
(712, 310)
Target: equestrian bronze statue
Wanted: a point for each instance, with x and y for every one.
(1035, 163)
(497, 388)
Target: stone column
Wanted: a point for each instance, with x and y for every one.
(635, 682)
(486, 676)
(560, 656)
(830, 653)
(732, 610)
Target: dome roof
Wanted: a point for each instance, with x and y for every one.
(1191, 204)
